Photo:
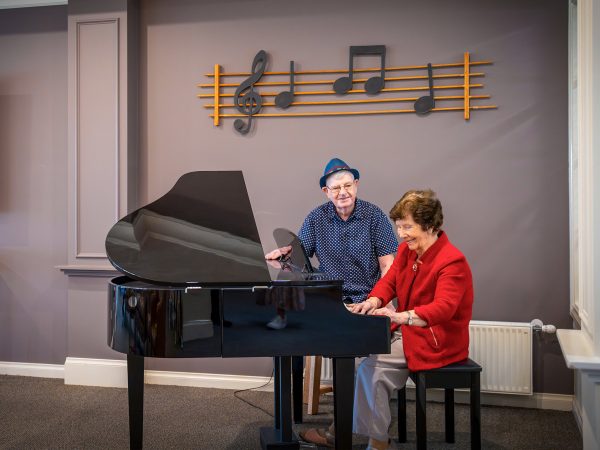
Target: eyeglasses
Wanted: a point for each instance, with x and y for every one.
(335, 190)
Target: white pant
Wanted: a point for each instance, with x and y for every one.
(377, 378)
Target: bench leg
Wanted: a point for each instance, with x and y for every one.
(475, 411)
(402, 415)
(449, 413)
(421, 402)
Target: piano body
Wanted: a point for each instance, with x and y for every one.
(195, 284)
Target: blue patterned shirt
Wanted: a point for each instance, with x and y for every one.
(349, 250)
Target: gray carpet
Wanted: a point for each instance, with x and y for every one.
(40, 413)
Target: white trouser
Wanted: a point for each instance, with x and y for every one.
(377, 378)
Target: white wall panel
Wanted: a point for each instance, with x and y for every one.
(103, 129)
(97, 134)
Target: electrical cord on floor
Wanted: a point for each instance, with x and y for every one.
(235, 394)
(302, 444)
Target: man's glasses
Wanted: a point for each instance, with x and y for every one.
(335, 190)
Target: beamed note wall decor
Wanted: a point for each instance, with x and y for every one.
(345, 94)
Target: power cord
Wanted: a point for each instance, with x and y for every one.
(235, 394)
(303, 445)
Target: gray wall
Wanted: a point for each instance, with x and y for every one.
(502, 176)
(33, 188)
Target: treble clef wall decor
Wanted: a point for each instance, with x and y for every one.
(246, 99)
(429, 88)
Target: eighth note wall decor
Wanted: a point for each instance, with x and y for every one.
(379, 89)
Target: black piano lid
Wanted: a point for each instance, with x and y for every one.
(201, 232)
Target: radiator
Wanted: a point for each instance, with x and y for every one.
(503, 349)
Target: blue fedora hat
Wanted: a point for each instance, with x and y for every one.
(335, 165)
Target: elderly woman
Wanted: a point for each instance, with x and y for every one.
(430, 328)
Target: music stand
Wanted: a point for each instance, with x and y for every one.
(297, 258)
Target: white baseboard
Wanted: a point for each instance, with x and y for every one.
(32, 370)
(113, 373)
(577, 413)
(209, 380)
(96, 372)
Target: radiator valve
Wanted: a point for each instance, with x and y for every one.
(538, 325)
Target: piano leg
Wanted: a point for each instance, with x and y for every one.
(281, 436)
(297, 386)
(135, 392)
(285, 398)
(343, 401)
(277, 391)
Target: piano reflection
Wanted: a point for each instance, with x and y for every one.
(195, 284)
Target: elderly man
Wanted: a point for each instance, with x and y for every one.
(352, 239)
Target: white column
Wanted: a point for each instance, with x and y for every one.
(581, 347)
(103, 135)
(102, 126)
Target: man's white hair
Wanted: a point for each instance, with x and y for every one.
(337, 175)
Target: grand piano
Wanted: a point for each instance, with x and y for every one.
(195, 284)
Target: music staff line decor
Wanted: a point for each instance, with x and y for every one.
(380, 89)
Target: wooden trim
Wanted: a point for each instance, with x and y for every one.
(216, 96)
(354, 113)
(584, 182)
(363, 101)
(330, 82)
(467, 94)
(356, 91)
(16, 4)
(89, 271)
(345, 71)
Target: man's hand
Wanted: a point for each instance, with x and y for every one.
(278, 252)
(366, 307)
(275, 264)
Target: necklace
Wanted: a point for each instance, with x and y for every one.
(416, 264)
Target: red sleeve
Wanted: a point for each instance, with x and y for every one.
(449, 291)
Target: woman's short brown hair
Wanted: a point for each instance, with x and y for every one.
(424, 207)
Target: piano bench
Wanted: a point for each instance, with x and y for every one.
(464, 374)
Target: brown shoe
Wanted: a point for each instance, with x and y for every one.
(320, 436)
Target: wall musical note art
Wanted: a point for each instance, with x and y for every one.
(246, 99)
(374, 84)
(345, 95)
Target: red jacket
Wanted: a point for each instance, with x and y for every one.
(441, 294)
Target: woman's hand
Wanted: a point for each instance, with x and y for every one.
(393, 315)
(401, 318)
(278, 252)
(366, 307)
